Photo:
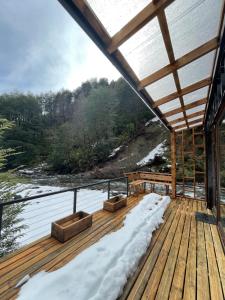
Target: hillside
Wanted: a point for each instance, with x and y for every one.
(127, 157)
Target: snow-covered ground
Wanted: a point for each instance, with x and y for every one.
(39, 213)
(158, 150)
(101, 271)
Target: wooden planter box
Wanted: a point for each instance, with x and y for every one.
(115, 203)
(66, 228)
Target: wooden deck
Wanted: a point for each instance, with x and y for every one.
(185, 259)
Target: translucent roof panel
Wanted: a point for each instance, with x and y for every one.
(197, 70)
(161, 88)
(145, 51)
(195, 125)
(195, 109)
(174, 117)
(179, 123)
(185, 127)
(201, 17)
(195, 118)
(170, 106)
(196, 95)
(115, 14)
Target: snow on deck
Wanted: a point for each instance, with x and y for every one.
(101, 271)
(158, 150)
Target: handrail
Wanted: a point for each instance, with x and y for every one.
(59, 192)
(74, 189)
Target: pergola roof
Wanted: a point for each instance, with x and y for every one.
(166, 50)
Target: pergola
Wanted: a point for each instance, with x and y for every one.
(165, 49)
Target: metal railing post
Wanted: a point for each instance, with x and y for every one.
(75, 201)
(127, 186)
(109, 189)
(1, 215)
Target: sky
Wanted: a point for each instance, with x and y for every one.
(43, 49)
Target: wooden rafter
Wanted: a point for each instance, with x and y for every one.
(196, 114)
(190, 123)
(140, 20)
(86, 18)
(180, 62)
(169, 48)
(189, 106)
(189, 89)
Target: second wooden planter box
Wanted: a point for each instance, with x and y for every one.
(115, 203)
(66, 228)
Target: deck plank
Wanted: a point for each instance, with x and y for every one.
(176, 291)
(167, 276)
(190, 275)
(39, 262)
(185, 258)
(143, 277)
(214, 278)
(154, 280)
(203, 290)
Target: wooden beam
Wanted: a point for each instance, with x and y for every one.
(85, 17)
(140, 20)
(181, 62)
(189, 89)
(169, 48)
(173, 163)
(196, 114)
(189, 106)
(190, 123)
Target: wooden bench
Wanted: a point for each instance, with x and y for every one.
(138, 181)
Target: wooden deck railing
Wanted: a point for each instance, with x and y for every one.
(138, 180)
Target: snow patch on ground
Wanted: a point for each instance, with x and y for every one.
(158, 150)
(115, 151)
(101, 271)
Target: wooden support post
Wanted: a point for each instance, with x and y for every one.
(173, 163)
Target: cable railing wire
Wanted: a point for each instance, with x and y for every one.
(82, 197)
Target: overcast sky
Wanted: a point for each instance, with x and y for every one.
(42, 48)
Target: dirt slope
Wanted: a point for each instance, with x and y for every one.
(130, 154)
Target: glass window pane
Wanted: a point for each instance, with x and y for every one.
(222, 171)
(145, 51)
(192, 23)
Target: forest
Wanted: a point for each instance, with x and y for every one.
(72, 131)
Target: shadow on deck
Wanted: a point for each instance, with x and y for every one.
(185, 258)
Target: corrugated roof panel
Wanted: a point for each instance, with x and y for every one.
(195, 125)
(195, 118)
(184, 18)
(196, 95)
(170, 106)
(179, 123)
(116, 14)
(145, 51)
(197, 70)
(162, 87)
(174, 117)
(180, 129)
(195, 109)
